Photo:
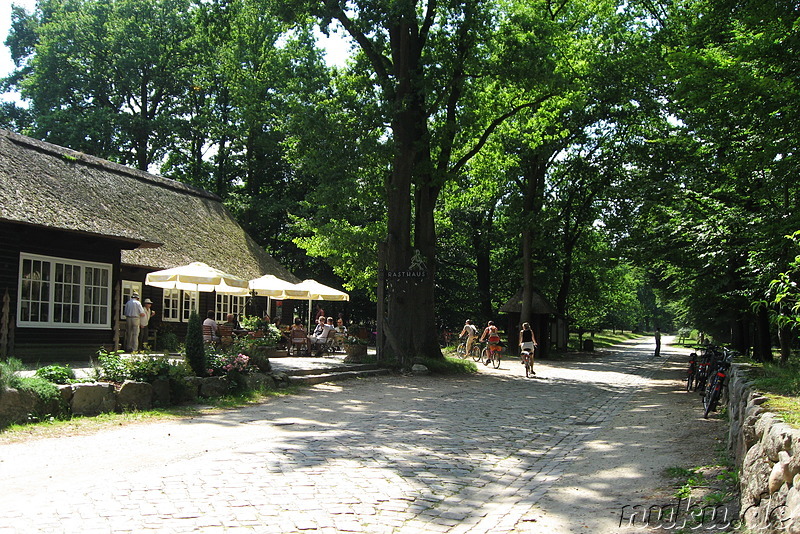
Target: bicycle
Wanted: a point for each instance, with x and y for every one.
(717, 385)
(527, 360)
(491, 353)
(474, 351)
(691, 372)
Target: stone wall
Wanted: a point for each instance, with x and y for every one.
(94, 398)
(767, 453)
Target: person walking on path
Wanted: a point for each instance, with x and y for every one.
(134, 312)
(658, 342)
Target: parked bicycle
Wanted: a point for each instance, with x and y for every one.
(716, 389)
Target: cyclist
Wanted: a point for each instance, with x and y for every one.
(527, 341)
(471, 332)
(492, 337)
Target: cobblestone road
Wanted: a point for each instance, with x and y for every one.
(387, 454)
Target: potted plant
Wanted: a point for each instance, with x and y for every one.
(355, 348)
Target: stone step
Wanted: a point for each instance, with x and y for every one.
(331, 375)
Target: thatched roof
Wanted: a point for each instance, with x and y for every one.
(171, 223)
(539, 304)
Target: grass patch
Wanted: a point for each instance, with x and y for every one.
(450, 365)
(78, 425)
(781, 385)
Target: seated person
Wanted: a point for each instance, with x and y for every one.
(230, 320)
(320, 335)
(210, 322)
(340, 327)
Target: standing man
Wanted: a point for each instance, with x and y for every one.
(144, 324)
(658, 342)
(133, 318)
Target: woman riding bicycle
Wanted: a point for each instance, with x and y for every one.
(492, 337)
(527, 344)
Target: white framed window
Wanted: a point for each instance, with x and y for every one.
(191, 301)
(226, 304)
(171, 305)
(129, 287)
(63, 293)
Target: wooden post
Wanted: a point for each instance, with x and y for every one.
(4, 328)
(381, 297)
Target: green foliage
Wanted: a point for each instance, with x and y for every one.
(9, 373)
(57, 374)
(150, 368)
(448, 366)
(50, 403)
(195, 346)
(111, 366)
(221, 364)
(167, 340)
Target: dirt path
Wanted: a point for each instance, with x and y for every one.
(492, 453)
(660, 426)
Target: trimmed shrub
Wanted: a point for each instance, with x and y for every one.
(195, 347)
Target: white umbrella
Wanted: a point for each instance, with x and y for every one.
(272, 286)
(198, 276)
(317, 291)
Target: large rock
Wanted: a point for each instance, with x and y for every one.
(16, 406)
(214, 386)
(134, 396)
(93, 399)
(258, 381)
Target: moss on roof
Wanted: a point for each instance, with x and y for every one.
(51, 186)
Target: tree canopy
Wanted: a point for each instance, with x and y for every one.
(633, 162)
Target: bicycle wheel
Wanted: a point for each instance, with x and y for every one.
(486, 356)
(529, 368)
(461, 350)
(689, 381)
(711, 403)
(496, 359)
(475, 352)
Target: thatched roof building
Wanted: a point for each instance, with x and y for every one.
(78, 234)
(539, 305)
(171, 223)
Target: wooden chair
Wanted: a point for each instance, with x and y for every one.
(299, 342)
(225, 335)
(208, 335)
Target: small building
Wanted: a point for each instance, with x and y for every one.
(550, 329)
(78, 234)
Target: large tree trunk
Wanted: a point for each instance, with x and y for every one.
(410, 326)
(762, 351)
(532, 202)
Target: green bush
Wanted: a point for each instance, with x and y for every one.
(9, 373)
(167, 340)
(148, 368)
(111, 366)
(195, 347)
(57, 374)
(51, 403)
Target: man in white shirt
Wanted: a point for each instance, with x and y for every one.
(134, 311)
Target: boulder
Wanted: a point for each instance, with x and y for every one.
(93, 399)
(259, 381)
(16, 406)
(134, 396)
(419, 369)
(214, 386)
